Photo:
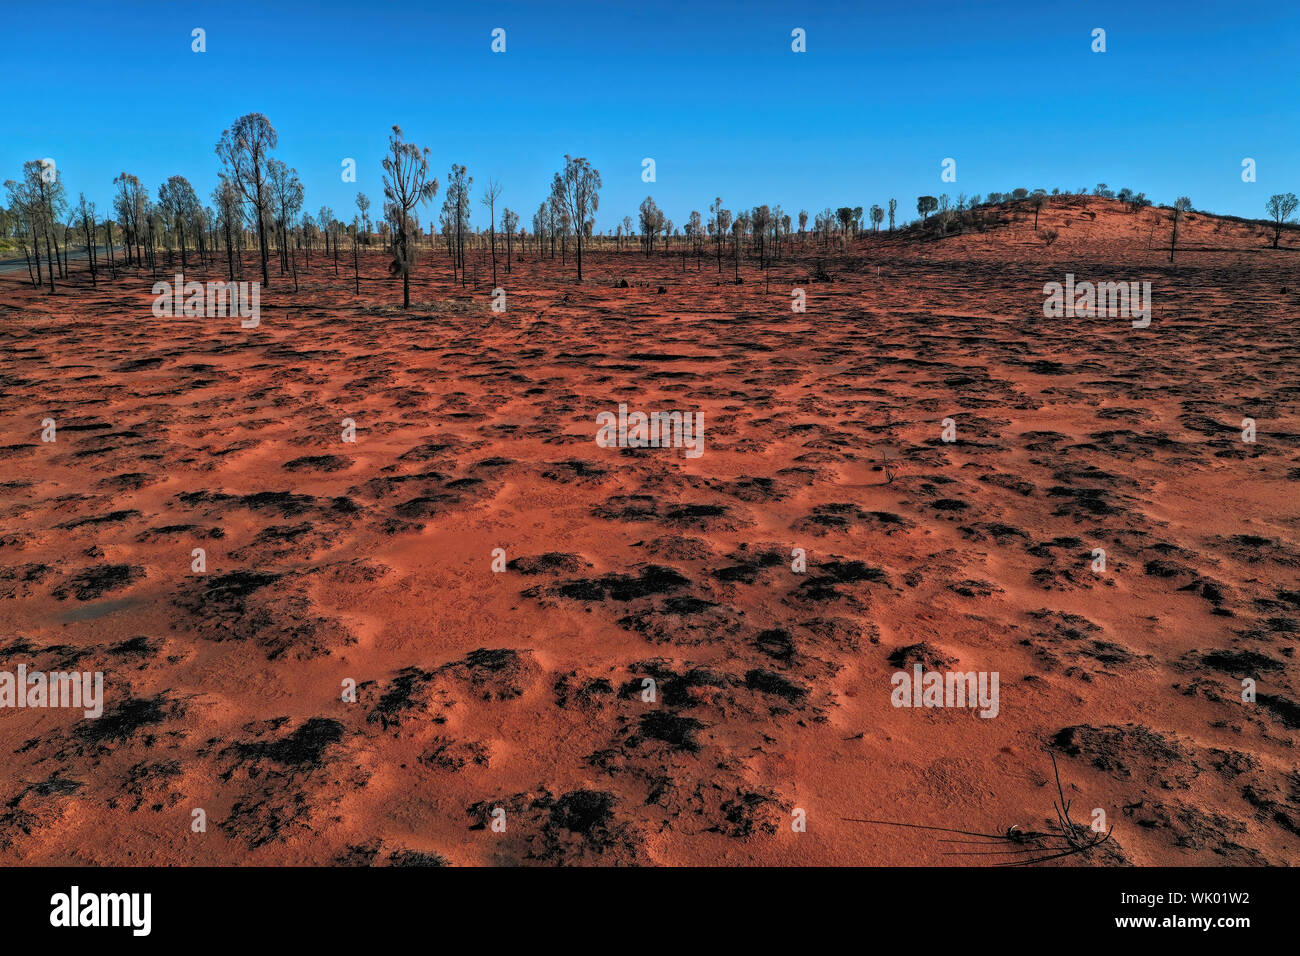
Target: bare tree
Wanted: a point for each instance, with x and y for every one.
(130, 202)
(650, 217)
(1280, 207)
(539, 228)
(695, 230)
(229, 215)
(363, 207)
(739, 227)
(329, 227)
(44, 199)
(825, 222)
(87, 213)
(356, 269)
(719, 223)
(458, 186)
(580, 191)
(406, 185)
(178, 200)
(245, 150)
(26, 207)
(509, 223)
(1181, 205)
(893, 206)
(628, 226)
(761, 218)
(284, 199)
(490, 197)
(1037, 202)
(877, 217)
(845, 216)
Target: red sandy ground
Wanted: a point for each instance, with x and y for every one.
(372, 561)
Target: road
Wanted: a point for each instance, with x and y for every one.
(76, 255)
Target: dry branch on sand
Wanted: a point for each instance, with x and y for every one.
(1033, 846)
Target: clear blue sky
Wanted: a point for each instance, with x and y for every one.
(710, 90)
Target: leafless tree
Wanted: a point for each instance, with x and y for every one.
(177, 199)
(406, 185)
(130, 202)
(1037, 202)
(650, 217)
(580, 192)
(720, 222)
(738, 229)
(25, 205)
(43, 200)
(226, 197)
(245, 149)
(1181, 206)
(490, 197)
(1280, 207)
(761, 219)
(363, 208)
(356, 269)
(284, 201)
(510, 223)
(695, 230)
(86, 212)
(458, 186)
(845, 216)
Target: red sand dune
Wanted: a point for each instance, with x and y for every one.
(372, 561)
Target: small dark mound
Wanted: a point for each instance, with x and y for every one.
(122, 721)
(232, 588)
(319, 463)
(652, 579)
(416, 858)
(304, 747)
(90, 583)
(1240, 662)
(676, 731)
(583, 811)
(770, 683)
(693, 514)
(546, 563)
(776, 642)
(927, 655)
(492, 659)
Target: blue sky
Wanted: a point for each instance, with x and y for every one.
(710, 90)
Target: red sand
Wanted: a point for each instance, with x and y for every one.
(522, 690)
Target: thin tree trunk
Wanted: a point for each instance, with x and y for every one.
(35, 279)
(49, 260)
(406, 273)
